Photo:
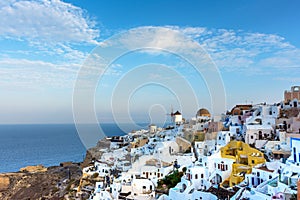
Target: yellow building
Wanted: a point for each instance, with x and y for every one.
(245, 158)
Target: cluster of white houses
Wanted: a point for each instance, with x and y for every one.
(252, 152)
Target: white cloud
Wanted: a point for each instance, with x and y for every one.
(22, 73)
(234, 51)
(48, 21)
(231, 50)
(293, 80)
(237, 50)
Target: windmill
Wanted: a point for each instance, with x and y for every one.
(170, 118)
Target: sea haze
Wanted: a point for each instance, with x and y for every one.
(46, 144)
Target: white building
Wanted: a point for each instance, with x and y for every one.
(177, 118)
(152, 128)
(295, 147)
(224, 137)
(259, 175)
(258, 132)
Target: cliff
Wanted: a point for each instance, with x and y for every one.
(37, 182)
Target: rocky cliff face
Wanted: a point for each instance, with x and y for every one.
(38, 182)
(95, 152)
(52, 183)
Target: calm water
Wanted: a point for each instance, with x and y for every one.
(23, 145)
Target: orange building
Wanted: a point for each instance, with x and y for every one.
(294, 93)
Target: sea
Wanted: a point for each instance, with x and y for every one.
(46, 144)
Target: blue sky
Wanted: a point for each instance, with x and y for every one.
(254, 44)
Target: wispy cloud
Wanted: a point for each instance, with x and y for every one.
(232, 50)
(55, 28)
(292, 80)
(237, 50)
(49, 30)
(51, 39)
(28, 74)
(48, 21)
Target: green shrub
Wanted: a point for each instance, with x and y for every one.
(171, 180)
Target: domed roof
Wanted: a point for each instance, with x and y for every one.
(203, 112)
(236, 111)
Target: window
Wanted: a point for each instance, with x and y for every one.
(191, 191)
(260, 135)
(258, 174)
(222, 167)
(270, 176)
(196, 176)
(253, 161)
(202, 175)
(294, 152)
(144, 187)
(251, 136)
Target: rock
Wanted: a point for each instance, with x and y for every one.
(33, 169)
(66, 164)
(4, 182)
(94, 152)
(46, 183)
